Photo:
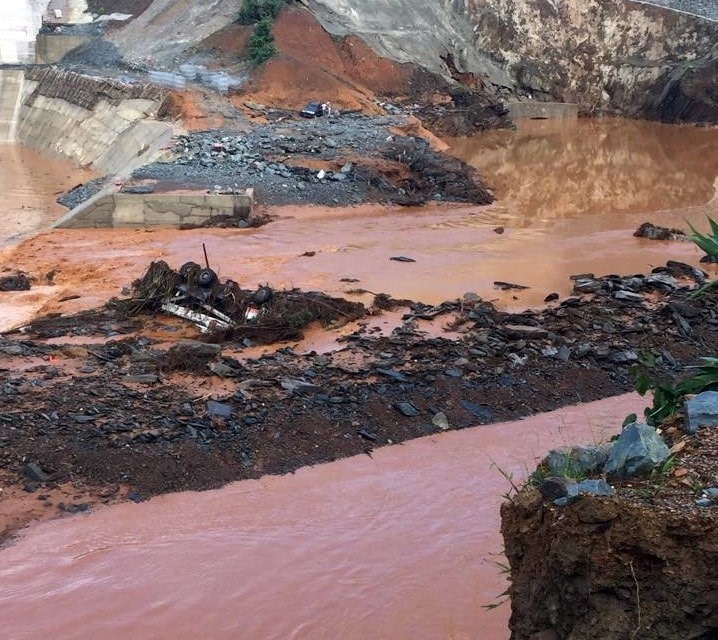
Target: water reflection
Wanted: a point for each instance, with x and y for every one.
(29, 184)
(548, 170)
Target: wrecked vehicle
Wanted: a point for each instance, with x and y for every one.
(314, 110)
(225, 311)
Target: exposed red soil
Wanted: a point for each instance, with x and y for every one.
(190, 107)
(311, 64)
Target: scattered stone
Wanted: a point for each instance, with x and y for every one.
(700, 411)
(505, 286)
(482, 412)
(195, 350)
(301, 387)
(16, 282)
(143, 378)
(587, 286)
(367, 435)
(81, 418)
(219, 409)
(440, 421)
(638, 450)
(390, 373)
(402, 259)
(33, 471)
(555, 487)
(523, 331)
(223, 370)
(585, 488)
(551, 297)
(628, 296)
(577, 461)
(654, 232)
(409, 409)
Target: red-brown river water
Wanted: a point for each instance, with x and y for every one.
(404, 544)
(401, 545)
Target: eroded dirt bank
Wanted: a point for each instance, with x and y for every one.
(634, 565)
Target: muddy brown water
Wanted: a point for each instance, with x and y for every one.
(29, 184)
(403, 544)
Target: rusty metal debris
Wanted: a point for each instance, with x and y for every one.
(225, 311)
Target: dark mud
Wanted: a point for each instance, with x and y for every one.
(125, 408)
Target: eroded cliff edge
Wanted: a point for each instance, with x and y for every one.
(638, 562)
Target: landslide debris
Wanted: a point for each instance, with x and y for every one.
(225, 311)
(334, 161)
(468, 113)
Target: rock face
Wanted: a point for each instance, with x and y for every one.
(604, 569)
(611, 56)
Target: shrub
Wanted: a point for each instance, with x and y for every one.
(261, 44)
(256, 10)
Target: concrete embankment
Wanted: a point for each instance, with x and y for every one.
(157, 210)
(103, 123)
(11, 88)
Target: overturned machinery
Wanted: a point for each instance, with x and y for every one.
(225, 311)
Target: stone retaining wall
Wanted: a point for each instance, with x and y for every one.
(51, 48)
(156, 210)
(106, 124)
(541, 110)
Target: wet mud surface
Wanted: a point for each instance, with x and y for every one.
(103, 400)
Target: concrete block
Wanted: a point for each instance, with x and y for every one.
(543, 110)
(129, 211)
(154, 218)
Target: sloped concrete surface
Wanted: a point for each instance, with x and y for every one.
(11, 88)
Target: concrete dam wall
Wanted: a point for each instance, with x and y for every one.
(102, 123)
(21, 21)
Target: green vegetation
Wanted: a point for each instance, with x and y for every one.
(261, 13)
(709, 244)
(668, 397)
(261, 44)
(254, 11)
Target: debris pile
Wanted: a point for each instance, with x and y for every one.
(674, 276)
(468, 113)
(332, 161)
(18, 281)
(225, 311)
(654, 232)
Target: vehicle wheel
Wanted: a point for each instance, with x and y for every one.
(206, 278)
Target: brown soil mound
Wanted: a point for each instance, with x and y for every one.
(190, 107)
(313, 65)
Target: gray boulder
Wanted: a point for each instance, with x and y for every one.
(701, 411)
(638, 450)
(598, 487)
(577, 461)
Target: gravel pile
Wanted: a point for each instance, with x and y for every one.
(276, 158)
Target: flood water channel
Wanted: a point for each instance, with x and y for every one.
(403, 544)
